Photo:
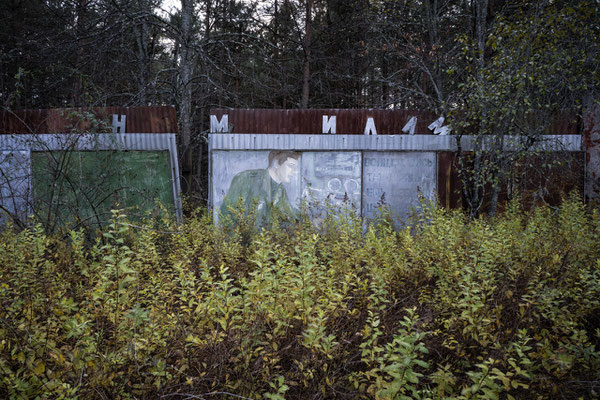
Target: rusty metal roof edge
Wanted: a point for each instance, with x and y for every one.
(293, 110)
(100, 141)
(158, 119)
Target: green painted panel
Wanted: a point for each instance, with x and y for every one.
(83, 186)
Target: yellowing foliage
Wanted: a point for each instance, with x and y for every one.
(450, 308)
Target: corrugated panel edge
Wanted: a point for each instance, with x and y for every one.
(300, 142)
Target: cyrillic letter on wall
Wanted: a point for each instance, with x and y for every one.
(219, 126)
(119, 125)
(370, 127)
(329, 124)
(410, 126)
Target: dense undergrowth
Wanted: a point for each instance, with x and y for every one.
(502, 308)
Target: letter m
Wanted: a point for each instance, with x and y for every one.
(219, 126)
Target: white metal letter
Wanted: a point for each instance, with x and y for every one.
(410, 126)
(436, 124)
(119, 125)
(219, 126)
(438, 129)
(444, 130)
(329, 124)
(370, 127)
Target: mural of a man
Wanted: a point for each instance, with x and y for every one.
(263, 188)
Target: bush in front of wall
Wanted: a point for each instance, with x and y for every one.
(454, 309)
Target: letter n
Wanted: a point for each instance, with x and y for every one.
(119, 124)
(219, 126)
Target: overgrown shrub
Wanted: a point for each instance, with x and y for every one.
(454, 309)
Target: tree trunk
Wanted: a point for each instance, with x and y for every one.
(385, 95)
(307, 45)
(479, 180)
(186, 71)
(482, 6)
(78, 95)
(142, 44)
(494, 200)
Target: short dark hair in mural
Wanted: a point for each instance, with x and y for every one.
(281, 156)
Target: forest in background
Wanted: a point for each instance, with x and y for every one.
(491, 65)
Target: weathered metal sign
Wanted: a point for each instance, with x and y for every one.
(397, 179)
(62, 175)
(80, 162)
(357, 171)
(357, 158)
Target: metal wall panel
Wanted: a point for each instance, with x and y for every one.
(15, 184)
(99, 142)
(448, 181)
(88, 184)
(397, 179)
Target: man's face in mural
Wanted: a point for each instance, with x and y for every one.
(283, 165)
(287, 170)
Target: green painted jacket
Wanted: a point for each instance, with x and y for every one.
(257, 187)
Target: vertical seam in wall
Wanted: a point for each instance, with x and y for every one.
(363, 207)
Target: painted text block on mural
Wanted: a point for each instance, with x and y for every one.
(332, 177)
(395, 178)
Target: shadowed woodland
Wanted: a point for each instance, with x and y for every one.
(491, 66)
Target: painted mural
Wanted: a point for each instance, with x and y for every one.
(332, 178)
(279, 181)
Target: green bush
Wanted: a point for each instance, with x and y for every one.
(451, 308)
